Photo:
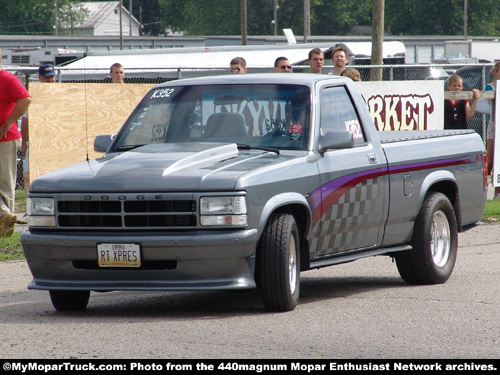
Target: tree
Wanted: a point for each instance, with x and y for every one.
(442, 17)
(222, 17)
(27, 16)
(36, 16)
(377, 39)
(483, 18)
(339, 17)
(70, 13)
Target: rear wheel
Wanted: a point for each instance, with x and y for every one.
(434, 242)
(69, 300)
(279, 263)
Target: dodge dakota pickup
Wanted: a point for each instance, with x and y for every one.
(244, 181)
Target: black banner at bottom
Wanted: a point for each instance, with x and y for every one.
(258, 366)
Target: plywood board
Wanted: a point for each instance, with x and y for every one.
(64, 119)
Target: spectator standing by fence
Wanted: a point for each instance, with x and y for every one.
(316, 60)
(490, 132)
(238, 65)
(456, 112)
(117, 73)
(14, 101)
(282, 65)
(339, 59)
(352, 74)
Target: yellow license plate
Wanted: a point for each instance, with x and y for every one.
(118, 255)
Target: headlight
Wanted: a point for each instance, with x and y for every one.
(230, 210)
(41, 212)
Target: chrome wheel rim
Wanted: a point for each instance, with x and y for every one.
(440, 239)
(292, 265)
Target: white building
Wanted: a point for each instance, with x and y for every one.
(103, 19)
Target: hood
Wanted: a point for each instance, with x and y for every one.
(159, 167)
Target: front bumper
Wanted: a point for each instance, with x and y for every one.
(180, 261)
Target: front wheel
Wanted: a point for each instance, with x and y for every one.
(434, 242)
(69, 300)
(279, 263)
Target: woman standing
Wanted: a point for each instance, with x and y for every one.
(490, 132)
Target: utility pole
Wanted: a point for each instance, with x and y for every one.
(121, 25)
(243, 15)
(130, 15)
(141, 27)
(465, 19)
(55, 17)
(275, 20)
(307, 19)
(377, 39)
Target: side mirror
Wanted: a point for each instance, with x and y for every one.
(336, 139)
(102, 142)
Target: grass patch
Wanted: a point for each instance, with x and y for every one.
(20, 201)
(10, 247)
(491, 213)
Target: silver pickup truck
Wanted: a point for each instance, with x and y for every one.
(243, 181)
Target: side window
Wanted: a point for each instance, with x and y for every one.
(338, 113)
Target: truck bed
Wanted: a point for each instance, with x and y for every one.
(400, 136)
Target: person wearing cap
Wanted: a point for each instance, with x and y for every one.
(46, 73)
(14, 101)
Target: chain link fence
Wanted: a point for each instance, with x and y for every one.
(473, 75)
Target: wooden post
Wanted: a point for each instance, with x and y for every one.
(130, 16)
(121, 26)
(307, 19)
(243, 15)
(377, 39)
(465, 19)
(56, 21)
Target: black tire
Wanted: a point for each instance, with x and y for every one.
(69, 300)
(434, 242)
(279, 264)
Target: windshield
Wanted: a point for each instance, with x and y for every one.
(274, 116)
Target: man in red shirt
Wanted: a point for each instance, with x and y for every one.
(14, 101)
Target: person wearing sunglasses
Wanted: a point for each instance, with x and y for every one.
(238, 65)
(282, 65)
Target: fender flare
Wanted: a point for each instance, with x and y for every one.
(283, 200)
(436, 178)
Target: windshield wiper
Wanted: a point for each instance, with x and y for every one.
(128, 147)
(248, 147)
